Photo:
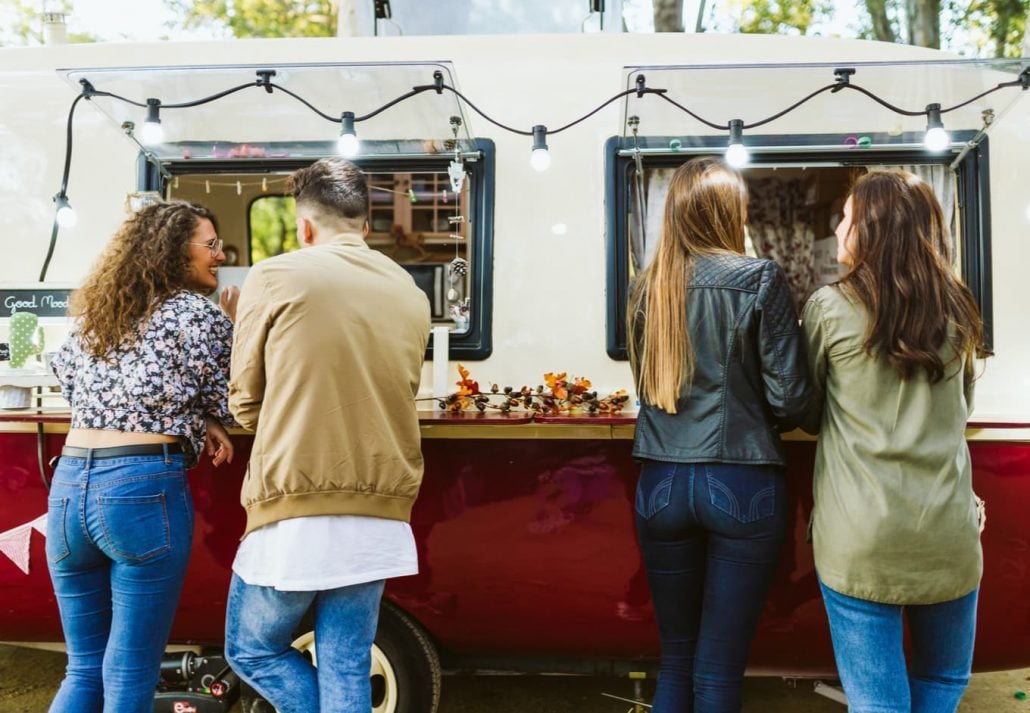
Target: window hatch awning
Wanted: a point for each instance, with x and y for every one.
(255, 123)
(719, 93)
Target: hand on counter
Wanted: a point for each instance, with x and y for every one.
(228, 299)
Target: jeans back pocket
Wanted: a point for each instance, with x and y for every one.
(654, 489)
(745, 493)
(135, 527)
(56, 534)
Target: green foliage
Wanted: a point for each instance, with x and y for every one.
(997, 26)
(775, 17)
(981, 28)
(273, 228)
(260, 18)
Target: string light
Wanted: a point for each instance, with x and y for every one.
(66, 215)
(348, 144)
(540, 157)
(936, 138)
(736, 154)
(152, 132)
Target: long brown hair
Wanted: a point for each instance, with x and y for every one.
(704, 213)
(146, 262)
(901, 272)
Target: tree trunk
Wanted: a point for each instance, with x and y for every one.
(882, 29)
(1026, 35)
(924, 22)
(668, 15)
(1006, 15)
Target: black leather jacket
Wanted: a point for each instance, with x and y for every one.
(750, 375)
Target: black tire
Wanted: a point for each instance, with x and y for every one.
(406, 651)
(412, 656)
(252, 702)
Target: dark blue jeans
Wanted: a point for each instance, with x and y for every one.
(710, 535)
(119, 532)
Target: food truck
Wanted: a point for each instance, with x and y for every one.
(528, 559)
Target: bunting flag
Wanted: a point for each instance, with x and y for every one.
(39, 524)
(14, 543)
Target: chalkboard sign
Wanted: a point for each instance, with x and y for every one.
(41, 300)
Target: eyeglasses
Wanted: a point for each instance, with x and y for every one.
(215, 246)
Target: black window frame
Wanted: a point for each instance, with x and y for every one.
(476, 343)
(972, 193)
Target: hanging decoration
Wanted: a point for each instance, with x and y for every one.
(14, 543)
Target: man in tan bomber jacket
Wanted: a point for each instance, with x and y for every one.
(326, 365)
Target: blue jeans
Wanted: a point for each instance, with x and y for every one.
(259, 628)
(119, 532)
(710, 535)
(867, 643)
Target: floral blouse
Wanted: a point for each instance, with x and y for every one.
(173, 374)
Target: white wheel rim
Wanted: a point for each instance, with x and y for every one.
(382, 674)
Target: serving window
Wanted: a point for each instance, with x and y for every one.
(795, 201)
(443, 237)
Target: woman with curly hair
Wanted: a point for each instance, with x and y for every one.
(895, 524)
(145, 370)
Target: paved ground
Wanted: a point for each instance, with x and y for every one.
(28, 680)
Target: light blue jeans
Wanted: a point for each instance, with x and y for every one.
(867, 643)
(259, 628)
(119, 532)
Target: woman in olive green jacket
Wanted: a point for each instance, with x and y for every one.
(895, 525)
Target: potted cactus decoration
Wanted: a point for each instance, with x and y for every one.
(26, 338)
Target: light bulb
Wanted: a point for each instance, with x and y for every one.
(348, 145)
(540, 159)
(66, 216)
(936, 139)
(737, 156)
(152, 133)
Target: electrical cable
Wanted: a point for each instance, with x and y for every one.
(440, 86)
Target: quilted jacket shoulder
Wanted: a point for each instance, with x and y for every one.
(750, 369)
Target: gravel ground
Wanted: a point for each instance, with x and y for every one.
(28, 679)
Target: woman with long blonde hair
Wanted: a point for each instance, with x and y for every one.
(720, 369)
(145, 369)
(895, 524)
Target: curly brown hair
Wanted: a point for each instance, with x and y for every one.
(146, 262)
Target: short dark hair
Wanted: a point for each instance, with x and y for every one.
(333, 186)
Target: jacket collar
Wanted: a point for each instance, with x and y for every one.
(354, 239)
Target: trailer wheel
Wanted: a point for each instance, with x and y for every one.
(405, 674)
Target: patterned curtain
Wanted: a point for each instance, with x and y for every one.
(657, 183)
(780, 224)
(942, 180)
(643, 246)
